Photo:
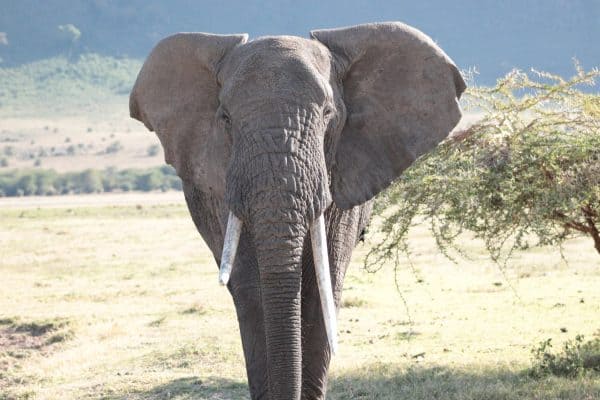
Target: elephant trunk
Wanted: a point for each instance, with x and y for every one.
(277, 220)
(278, 186)
(279, 256)
(282, 300)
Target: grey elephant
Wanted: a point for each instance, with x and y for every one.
(281, 143)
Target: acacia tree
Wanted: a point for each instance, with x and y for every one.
(527, 173)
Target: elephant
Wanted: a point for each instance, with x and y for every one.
(281, 143)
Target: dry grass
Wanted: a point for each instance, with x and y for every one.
(144, 313)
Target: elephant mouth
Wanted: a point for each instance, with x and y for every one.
(318, 239)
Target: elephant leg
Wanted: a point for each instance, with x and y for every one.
(245, 290)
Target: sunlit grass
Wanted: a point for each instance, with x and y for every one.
(134, 291)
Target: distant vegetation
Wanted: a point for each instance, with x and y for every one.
(48, 182)
(58, 85)
(152, 150)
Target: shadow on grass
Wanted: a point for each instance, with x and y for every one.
(387, 382)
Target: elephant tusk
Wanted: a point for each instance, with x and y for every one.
(321, 261)
(230, 245)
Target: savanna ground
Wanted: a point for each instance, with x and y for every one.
(105, 301)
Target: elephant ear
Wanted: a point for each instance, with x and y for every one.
(176, 96)
(401, 93)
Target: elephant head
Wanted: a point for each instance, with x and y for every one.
(270, 132)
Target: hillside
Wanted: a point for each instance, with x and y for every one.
(494, 37)
(69, 116)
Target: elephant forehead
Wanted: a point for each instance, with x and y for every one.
(278, 62)
(269, 50)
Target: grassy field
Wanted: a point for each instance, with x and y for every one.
(102, 301)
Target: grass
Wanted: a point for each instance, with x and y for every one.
(126, 303)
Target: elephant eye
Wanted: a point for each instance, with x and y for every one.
(223, 115)
(327, 112)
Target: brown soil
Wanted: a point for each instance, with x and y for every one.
(11, 340)
(18, 342)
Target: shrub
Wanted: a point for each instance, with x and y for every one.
(167, 170)
(45, 181)
(114, 147)
(26, 185)
(152, 150)
(109, 179)
(148, 181)
(576, 358)
(91, 181)
(174, 182)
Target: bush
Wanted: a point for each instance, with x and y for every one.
(90, 181)
(109, 179)
(151, 180)
(576, 358)
(526, 174)
(45, 181)
(114, 147)
(27, 185)
(152, 150)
